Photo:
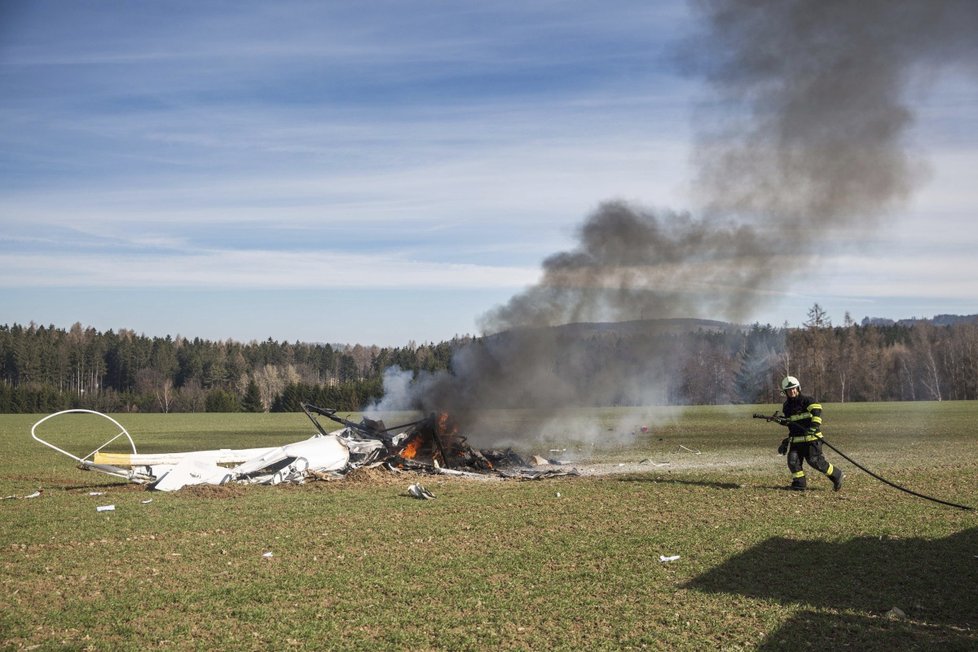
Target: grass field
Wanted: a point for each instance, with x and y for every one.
(565, 563)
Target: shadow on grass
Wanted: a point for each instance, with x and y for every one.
(935, 582)
(698, 483)
(865, 633)
(787, 488)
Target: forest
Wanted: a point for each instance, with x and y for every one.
(45, 369)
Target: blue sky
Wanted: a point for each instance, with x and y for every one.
(382, 172)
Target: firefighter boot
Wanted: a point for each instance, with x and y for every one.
(799, 482)
(836, 479)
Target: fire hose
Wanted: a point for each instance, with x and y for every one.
(776, 417)
(893, 484)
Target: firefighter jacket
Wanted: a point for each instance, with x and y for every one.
(804, 419)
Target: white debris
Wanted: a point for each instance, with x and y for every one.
(665, 559)
(267, 555)
(321, 453)
(418, 491)
(147, 501)
(105, 508)
(15, 496)
(96, 493)
(191, 469)
(689, 449)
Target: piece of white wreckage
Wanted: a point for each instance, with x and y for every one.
(321, 455)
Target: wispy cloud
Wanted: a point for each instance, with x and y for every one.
(252, 269)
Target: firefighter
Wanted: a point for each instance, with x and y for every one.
(803, 417)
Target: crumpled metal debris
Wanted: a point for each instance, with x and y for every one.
(430, 445)
(418, 491)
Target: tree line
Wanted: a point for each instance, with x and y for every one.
(44, 369)
(912, 360)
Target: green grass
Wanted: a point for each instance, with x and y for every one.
(356, 564)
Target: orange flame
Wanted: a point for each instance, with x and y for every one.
(411, 449)
(445, 425)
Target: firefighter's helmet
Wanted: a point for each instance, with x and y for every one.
(789, 382)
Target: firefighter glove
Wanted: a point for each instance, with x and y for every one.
(783, 448)
(813, 432)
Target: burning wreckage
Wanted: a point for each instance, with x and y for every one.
(429, 445)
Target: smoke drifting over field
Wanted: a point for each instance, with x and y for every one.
(810, 145)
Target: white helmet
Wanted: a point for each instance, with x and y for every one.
(789, 382)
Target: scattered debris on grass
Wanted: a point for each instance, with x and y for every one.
(432, 445)
(418, 491)
(16, 497)
(649, 461)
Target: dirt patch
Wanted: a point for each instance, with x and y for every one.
(373, 476)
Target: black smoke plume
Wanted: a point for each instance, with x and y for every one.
(801, 143)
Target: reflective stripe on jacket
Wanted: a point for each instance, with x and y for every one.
(804, 416)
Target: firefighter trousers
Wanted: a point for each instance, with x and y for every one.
(810, 452)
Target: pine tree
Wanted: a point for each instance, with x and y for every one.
(251, 401)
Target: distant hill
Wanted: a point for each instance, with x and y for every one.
(586, 330)
(680, 326)
(646, 326)
(937, 320)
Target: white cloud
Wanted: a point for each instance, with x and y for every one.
(252, 269)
